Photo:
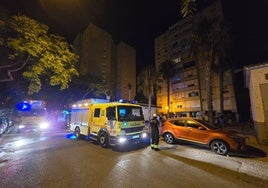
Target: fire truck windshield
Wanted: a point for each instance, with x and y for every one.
(33, 112)
(130, 113)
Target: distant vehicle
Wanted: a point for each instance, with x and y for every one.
(108, 123)
(32, 114)
(201, 132)
(3, 124)
(9, 115)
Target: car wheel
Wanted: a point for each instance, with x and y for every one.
(103, 140)
(169, 138)
(77, 132)
(219, 147)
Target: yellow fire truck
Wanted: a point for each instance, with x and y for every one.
(108, 123)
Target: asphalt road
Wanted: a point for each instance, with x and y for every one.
(54, 159)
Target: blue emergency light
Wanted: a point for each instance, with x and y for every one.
(126, 101)
(23, 106)
(66, 112)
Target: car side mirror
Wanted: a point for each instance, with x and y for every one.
(201, 128)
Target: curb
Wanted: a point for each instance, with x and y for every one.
(257, 167)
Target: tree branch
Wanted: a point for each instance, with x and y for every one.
(10, 71)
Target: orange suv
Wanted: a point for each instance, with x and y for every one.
(201, 132)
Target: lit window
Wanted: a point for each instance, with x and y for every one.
(193, 94)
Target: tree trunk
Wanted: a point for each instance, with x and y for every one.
(149, 107)
(209, 92)
(199, 86)
(221, 80)
(168, 98)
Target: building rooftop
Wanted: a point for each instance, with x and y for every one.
(249, 68)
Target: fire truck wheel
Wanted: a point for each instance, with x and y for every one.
(77, 132)
(103, 140)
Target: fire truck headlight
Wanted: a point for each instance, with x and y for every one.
(122, 140)
(144, 135)
(44, 125)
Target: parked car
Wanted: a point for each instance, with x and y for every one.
(201, 132)
(3, 125)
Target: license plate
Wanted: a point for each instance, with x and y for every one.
(136, 136)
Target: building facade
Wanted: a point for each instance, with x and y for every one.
(256, 80)
(187, 87)
(114, 63)
(125, 72)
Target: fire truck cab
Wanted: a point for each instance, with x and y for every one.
(108, 123)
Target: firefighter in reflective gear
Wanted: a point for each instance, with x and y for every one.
(154, 123)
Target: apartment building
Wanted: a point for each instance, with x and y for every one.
(125, 72)
(114, 63)
(187, 87)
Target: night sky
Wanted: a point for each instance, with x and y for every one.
(138, 22)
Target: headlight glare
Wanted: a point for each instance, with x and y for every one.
(122, 139)
(144, 135)
(44, 125)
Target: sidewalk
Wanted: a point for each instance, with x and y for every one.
(254, 161)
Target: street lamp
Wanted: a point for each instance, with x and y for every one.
(167, 108)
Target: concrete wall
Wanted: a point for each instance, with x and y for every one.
(258, 89)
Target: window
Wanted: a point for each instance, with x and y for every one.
(174, 44)
(179, 122)
(189, 64)
(122, 112)
(192, 124)
(190, 84)
(110, 113)
(225, 90)
(176, 78)
(97, 112)
(193, 94)
(130, 113)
